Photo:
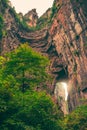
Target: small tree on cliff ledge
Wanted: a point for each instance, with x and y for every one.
(25, 67)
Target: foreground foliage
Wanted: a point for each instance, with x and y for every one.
(31, 110)
(22, 105)
(77, 120)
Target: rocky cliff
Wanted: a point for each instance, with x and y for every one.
(64, 41)
(31, 18)
(69, 33)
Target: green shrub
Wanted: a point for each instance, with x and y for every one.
(77, 120)
(54, 10)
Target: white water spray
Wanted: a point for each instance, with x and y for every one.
(65, 89)
(61, 95)
(61, 89)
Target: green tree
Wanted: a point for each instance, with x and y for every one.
(32, 110)
(38, 112)
(43, 112)
(26, 67)
(77, 120)
(7, 106)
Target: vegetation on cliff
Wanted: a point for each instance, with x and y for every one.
(41, 23)
(1, 26)
(3, 6)
(21, 23)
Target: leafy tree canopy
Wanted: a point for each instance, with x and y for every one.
(28, 109)
(25, 68)
(77, 120)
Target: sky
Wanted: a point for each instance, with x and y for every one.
(25, 5)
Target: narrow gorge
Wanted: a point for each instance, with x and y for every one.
(63, 39)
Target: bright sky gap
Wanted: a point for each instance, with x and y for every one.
(25, 5)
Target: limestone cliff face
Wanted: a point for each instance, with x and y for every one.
(10, 40)
(69, 33)
(64, 41)
(31, 18)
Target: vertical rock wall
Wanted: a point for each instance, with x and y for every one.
(69, 33)
(31, 18)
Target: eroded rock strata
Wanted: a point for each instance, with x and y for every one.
(69, 33)
(64, 41)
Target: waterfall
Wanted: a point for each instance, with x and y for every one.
(61, 95)
(65, 86)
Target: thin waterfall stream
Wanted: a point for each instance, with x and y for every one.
(65, 86)
(61, 95)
